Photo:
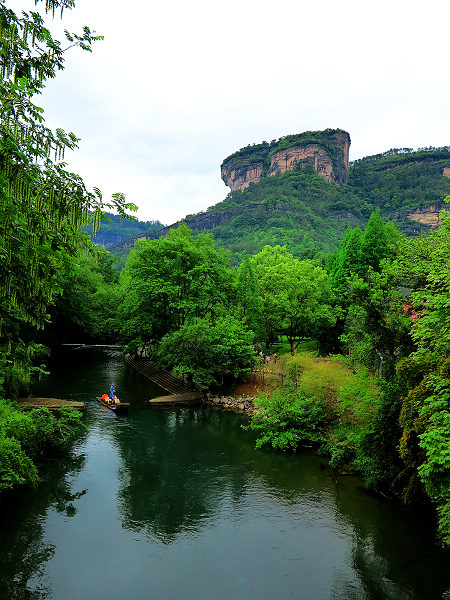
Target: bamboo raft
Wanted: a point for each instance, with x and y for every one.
(50, 403)
(119, 408)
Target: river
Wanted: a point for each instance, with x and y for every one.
(175, 503)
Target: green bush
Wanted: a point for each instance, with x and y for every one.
(15, 466)
(287, 419)
(25, 435)
(377, 456)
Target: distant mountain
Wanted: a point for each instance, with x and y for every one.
(301, 191)
(112, 232)
(326, 152)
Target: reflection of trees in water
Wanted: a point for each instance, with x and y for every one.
(370, 578)
(183, 466)
(393, 555)
(23, 552)
(174, 480)
(190, 465)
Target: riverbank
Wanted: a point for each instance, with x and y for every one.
(28, 433)
(309, 400)
(241, 404)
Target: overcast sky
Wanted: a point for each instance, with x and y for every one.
(177, 86)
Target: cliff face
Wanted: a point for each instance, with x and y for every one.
(428, 215)
(313, 155)
(316, 156)
(241, 177)
(325, 151)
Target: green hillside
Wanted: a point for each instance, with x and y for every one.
(298, 209)
(306, 213)
(399, 181)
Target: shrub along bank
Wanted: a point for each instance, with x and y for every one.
(25, 436)
(322, 401)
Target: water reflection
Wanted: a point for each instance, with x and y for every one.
(181, 506)
(175, 475)
(24, 550)
(393, 555)
(181, 468)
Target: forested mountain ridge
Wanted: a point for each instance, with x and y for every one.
(307, 213)
(115, 229)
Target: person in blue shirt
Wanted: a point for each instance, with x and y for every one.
(112, 391)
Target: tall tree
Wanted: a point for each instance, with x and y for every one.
(295, 296)
(376, 330)
(269, 259)
(42, 203)
(379, 241)
(348, 262)
(169, 281)
(249, 299)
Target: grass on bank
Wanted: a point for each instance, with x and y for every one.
(316, 400)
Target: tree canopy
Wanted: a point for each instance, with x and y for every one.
(41, 202)
(169, 281)
(295, 296)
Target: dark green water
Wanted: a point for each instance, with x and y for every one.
(174, 503)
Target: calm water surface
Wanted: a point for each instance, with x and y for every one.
(174, 503)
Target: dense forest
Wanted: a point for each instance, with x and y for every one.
(371, 297)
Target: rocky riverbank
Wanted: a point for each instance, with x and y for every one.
(242, 404)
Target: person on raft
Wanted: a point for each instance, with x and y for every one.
(113, 399)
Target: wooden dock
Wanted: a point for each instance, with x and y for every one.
(187, 398)
(50, 403)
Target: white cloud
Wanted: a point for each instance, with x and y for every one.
(176, 87)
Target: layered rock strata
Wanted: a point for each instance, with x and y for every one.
(428, 215)
(327, 152)
(241, 177)
(312, 155)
